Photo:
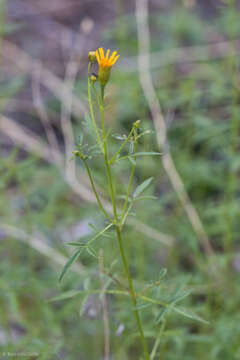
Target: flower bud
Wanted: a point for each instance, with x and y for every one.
(137, 123)
(92, 56)
(76, 153)
(93, 78)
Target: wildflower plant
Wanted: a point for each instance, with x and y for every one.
(105, 63)
(117, 215)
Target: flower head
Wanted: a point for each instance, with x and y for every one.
(104, 60)
(105, 63)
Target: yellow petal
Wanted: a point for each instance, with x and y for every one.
(101, 52)
(107, 54)
(98, 57)
(113, 61)
(113, 55)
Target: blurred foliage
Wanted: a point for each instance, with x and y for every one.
(202, 99)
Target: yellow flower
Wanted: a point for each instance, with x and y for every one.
(105, 63)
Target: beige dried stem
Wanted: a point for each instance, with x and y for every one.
(160, 125)
(44, 117)
(186, 54)
(71, 71)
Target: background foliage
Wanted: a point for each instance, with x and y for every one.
(41, 209)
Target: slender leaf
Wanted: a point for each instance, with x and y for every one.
(142, 187)
(162, 313)
(69, 263)
(86, 245)
(99, 234)
(150, 153)
(91, 251)
(142, 306)
(132, 160)
(189, 315)
(180, 297)
(146, 197)
(76, 244)
(66, 295)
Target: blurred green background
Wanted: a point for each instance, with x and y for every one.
(46, 200)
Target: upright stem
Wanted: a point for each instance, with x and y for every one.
(157, 341)
(91, 109)
(132, 292)
(109, 174)
(118, 232)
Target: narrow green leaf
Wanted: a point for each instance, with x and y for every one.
(92, 226)
(151, 153)
(75, 244)
(72, 293)
(100, 233)
(147, 153)
(163, 312)
(180, 296)
(69, 263)
(142, 306)
(65, 295)
(91, 251)
(189, 315)
(126, 214)
(140, 188)
(132, 160)
(146, 197)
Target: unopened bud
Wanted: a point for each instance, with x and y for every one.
(92, 56)
(76, 153)
(137, 123)
(93, 78)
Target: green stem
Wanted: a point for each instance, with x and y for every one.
(102, 115)
(132, 292)
(95, 191)
(118, 231)
(91, 109)
(109, 175)
(101, 107)
(157, 341)
(117, 225)
(110, 182)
